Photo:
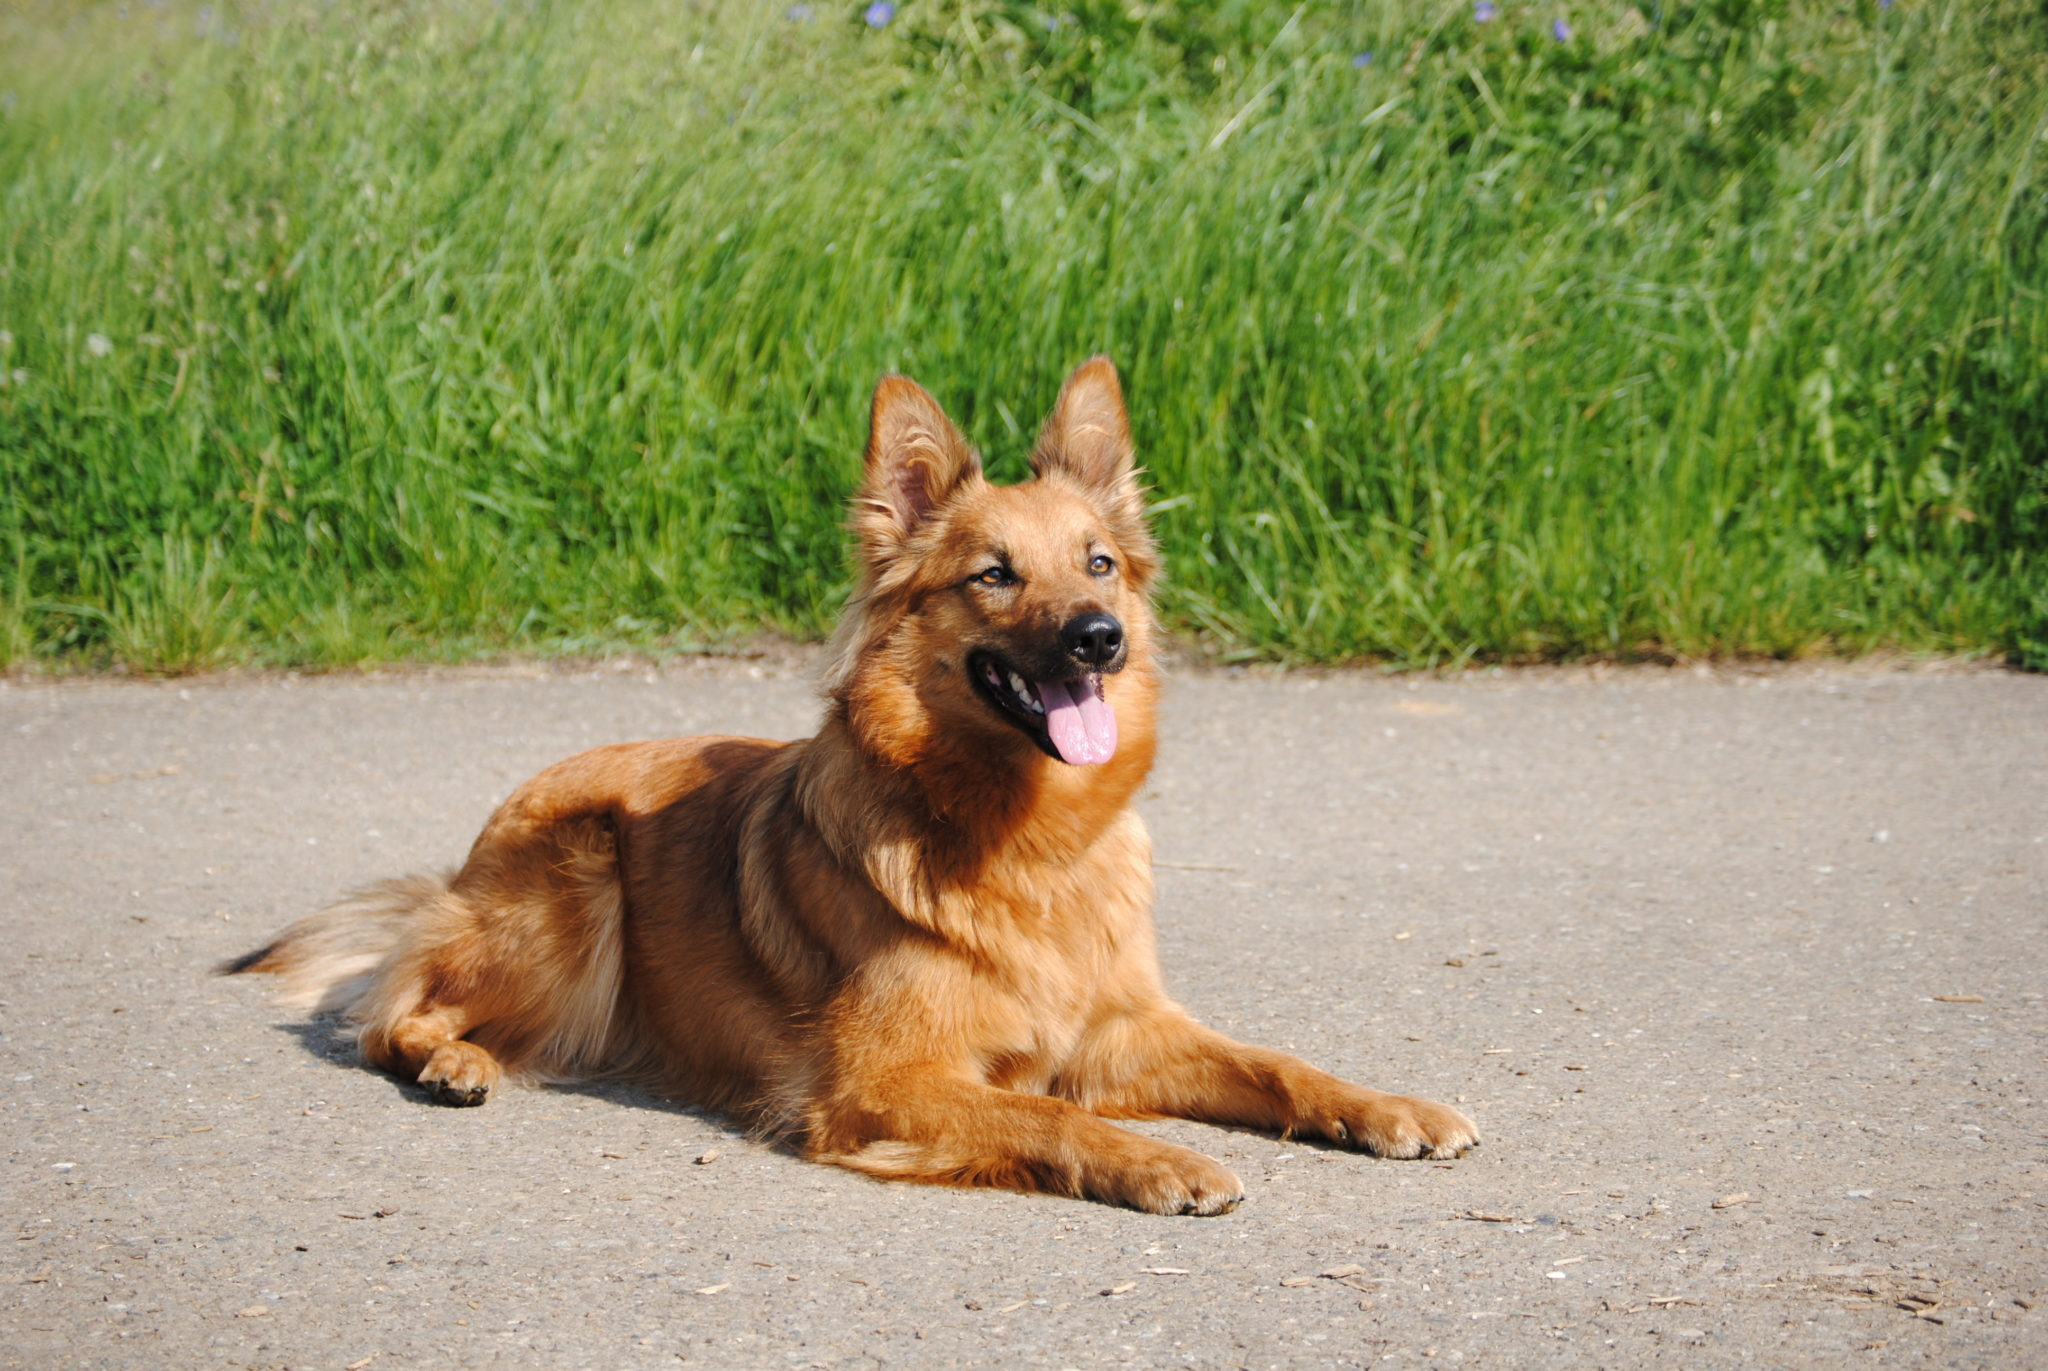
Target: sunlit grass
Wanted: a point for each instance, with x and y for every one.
(340, 333)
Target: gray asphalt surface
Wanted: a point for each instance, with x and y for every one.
(1679, 942)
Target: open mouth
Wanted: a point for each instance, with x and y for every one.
(1068, 719)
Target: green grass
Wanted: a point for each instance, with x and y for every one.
(347, 332)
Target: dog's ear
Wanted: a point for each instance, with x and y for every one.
(1088, 438)
(916, 461)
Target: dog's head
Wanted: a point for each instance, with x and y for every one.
(1001, 622)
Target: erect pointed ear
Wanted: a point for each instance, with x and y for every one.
(916, 461)
(1088, 438)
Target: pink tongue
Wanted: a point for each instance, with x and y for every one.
(1082, 725)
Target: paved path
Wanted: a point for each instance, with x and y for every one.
(1743, 976)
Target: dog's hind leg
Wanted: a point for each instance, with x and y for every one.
(515, 966)
(426, 1001)
(514, 969)
(428, 1046)
(376, 958)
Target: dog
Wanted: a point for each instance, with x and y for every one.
(919, 944)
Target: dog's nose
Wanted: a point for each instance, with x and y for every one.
(1094, 639)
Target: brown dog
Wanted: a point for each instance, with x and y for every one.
(919, 944)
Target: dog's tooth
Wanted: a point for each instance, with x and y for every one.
(1017, 684)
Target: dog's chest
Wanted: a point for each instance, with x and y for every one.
(1065, 962)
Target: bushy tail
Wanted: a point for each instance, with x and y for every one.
(329, 960)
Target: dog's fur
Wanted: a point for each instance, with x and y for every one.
(918, 944)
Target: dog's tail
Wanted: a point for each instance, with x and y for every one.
(330, 960)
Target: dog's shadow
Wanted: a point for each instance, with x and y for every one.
(326, 1039)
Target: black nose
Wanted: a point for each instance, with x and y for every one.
(1095, 639)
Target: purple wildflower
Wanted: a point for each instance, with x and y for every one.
(1561, 31)
(1485, 12)
(798, 14)
(1364, 59)
(879, 14)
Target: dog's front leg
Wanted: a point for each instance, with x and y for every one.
(932, 1124)
(1155, 1060)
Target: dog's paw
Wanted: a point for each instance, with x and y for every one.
(1401, 1126)
(459, 1073)
(1171, 1180)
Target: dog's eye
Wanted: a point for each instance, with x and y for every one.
(994, 576)
(1101, 565)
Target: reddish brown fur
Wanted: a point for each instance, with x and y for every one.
(914, 944)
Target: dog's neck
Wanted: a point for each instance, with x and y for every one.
(957, 834)
(990, 793)
(967, 802)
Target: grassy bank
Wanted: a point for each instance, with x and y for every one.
(344, 332)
